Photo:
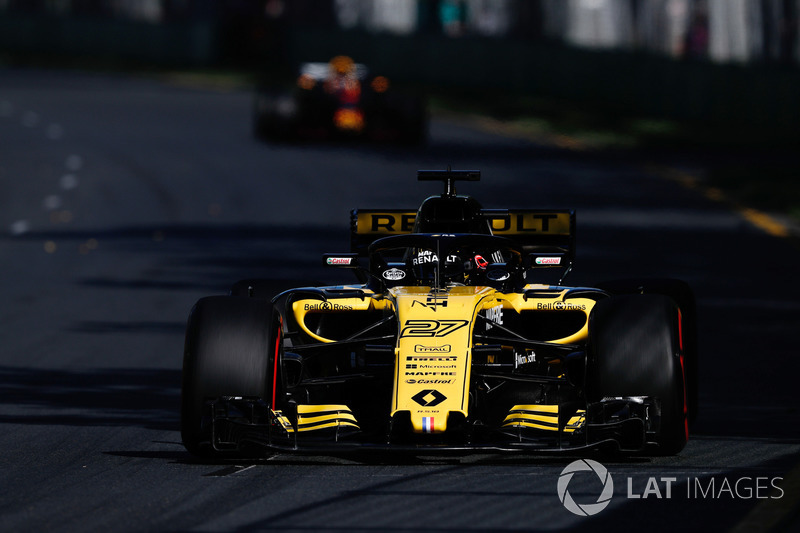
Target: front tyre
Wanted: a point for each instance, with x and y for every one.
(682, 294)
(635, 350)
(225, 354)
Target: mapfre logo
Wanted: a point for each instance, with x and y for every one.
(585, 509)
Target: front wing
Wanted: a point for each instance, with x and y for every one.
(613, 424)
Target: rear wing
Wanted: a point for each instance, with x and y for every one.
(534, 230)
(321, 71)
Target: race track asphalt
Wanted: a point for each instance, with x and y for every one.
(123, 200)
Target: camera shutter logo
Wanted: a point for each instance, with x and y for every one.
(585, 465)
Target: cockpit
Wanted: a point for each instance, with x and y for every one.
(443, 260)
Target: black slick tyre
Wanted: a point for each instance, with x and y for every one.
(226, 353)
(634, 350)
(682, 294)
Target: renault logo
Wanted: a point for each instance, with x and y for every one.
(429, 398)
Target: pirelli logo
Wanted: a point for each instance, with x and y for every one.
(433, 358)
(506, 223)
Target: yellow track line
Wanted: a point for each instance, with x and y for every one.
(759, 219)
(765, 222)
(775, 514)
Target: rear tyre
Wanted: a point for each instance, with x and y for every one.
(634, 350)
(225, 354)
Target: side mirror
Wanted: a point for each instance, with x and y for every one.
(548, 260)
(560, 260)
(348, 260)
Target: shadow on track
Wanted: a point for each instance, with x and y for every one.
(138, 397)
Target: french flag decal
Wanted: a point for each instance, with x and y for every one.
(427, 424)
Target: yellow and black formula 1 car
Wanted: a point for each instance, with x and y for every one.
(449, 341)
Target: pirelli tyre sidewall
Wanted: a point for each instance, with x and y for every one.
(634, 349)
(226, 353)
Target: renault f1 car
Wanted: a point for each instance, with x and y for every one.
(449, 340)
(340, 100)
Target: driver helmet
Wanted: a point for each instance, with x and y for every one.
(342, 65)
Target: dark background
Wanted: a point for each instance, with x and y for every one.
(692, 60)
(131, 186)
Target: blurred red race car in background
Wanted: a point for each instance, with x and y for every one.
(339, 100)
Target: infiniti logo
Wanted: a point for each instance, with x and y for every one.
(585, 465)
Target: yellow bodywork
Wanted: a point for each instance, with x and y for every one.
(433, 355)
(543, 417)
(315, 417)
(507, 224)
